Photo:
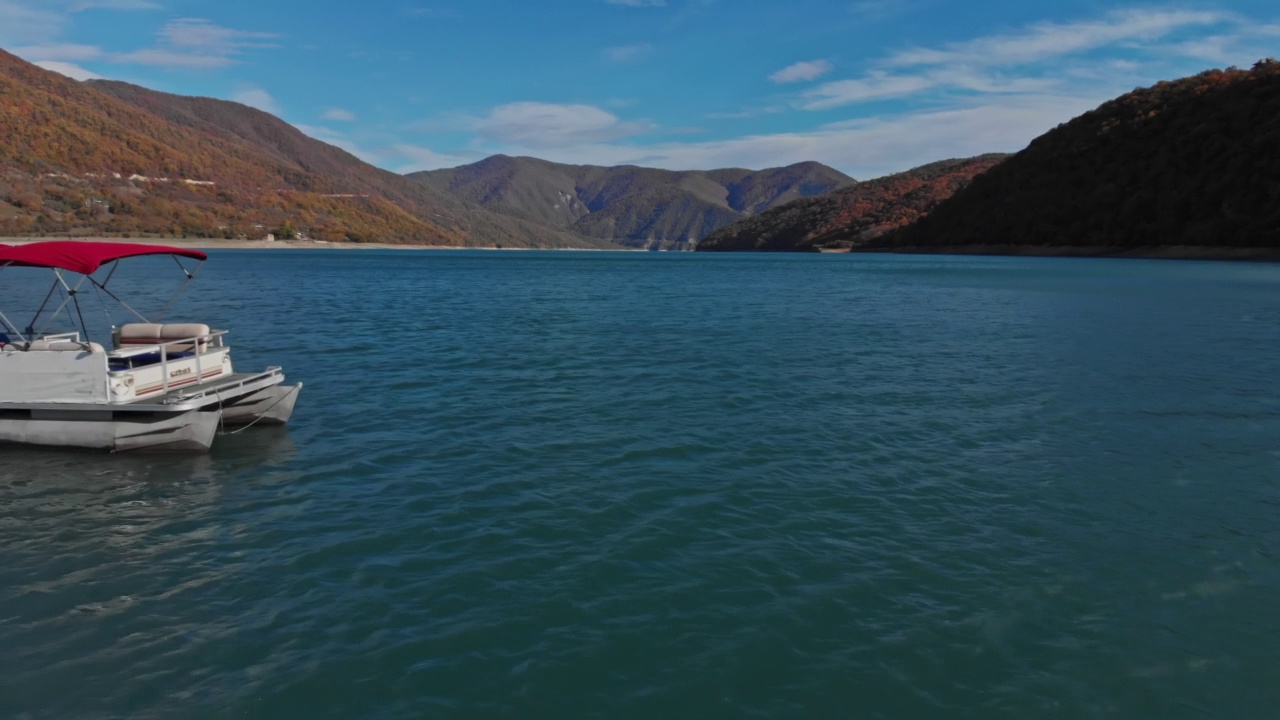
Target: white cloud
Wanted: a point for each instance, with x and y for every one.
(1034, 60)
(75, 72)
(196, 43)
(339, 115)
(187, 43)
(21, 24)
(746, 114)
(34, 22)
(114, 5)
(200, 34)
(1044, 41)
(874, 86)
(979, 81)
(332, 137)
(801, 71)
(415, 157)
(339, 140)
(172, 59)
(319, 132)
(1214, 49)
(627, 53)
(65, 52)
(546, 125)
(257, 98)
(863, 148)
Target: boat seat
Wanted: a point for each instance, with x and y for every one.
(59, 346)
(133, 334)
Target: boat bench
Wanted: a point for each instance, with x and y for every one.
(55, 346)
(136, 334)
(133, 334)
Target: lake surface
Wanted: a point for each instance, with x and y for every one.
(626, 485)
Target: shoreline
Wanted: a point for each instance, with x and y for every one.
(1169, 252)
(224, 244)
(1157, 252)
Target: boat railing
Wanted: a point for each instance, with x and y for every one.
(203, 343)
(169, 350)
(56, 337)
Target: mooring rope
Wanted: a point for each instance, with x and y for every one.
(261, 415)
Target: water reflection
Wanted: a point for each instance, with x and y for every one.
(70, 468)
(86, 501)
(98, 544)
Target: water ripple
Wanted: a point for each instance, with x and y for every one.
(626, 485)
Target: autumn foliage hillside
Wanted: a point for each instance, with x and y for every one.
(850, 216)
(1193, 162)
(111, 158)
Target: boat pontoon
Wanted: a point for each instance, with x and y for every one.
(158, 387)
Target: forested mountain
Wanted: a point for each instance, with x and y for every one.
(634, 206)
(106, 157)
(1193, 162)
(853, 215)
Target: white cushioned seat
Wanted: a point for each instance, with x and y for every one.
(64, 346)
(133, 334)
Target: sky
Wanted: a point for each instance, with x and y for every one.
(869, 87)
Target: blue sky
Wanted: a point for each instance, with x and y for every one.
(869, 87)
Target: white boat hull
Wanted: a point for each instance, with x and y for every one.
(189, 431)
(269, 406)
(188, 425)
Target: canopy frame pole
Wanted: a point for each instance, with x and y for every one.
(83, 325)
(71, 296)
(114, 265)
(103, 287)
(191, 275)
(8, 324)
(31, 326)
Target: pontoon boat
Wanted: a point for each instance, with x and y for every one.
(158, 387)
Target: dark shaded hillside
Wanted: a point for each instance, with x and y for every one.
(640, 207)
(1193, 162)
(112, 158)
(850, 216)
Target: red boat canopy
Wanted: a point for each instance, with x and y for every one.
(83, 257)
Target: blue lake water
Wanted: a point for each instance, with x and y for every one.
(626, 485)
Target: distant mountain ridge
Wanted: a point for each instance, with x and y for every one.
(852, 215)
(1191, 163)
(629, 205)
(108, 157)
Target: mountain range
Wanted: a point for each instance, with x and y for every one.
(632, 206)
(107, 157)
(853, 215)
(1190, 162)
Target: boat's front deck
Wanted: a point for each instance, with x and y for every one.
(218, 389)
(211, 393)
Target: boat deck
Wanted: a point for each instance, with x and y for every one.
(187, 397)
(234, 383)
